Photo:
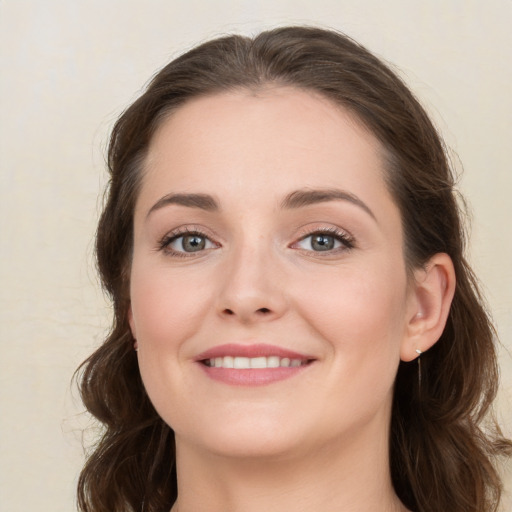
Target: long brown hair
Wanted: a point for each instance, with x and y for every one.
(442, 458)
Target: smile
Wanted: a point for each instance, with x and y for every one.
(252, 365)
(246, 363)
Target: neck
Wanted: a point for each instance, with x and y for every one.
(354, 477)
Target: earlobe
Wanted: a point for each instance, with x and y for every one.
(431, 297)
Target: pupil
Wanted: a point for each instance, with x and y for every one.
(322, 243)
(193, 243)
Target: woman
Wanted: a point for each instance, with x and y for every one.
(295, 325)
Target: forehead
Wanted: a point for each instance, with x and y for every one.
(265, 142)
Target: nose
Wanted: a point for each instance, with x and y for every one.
(252, 287)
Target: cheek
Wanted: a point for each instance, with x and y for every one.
(165, 308)
(167, 311)
(359, 318)
(360, 314)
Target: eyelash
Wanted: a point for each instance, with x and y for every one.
(168, 239)
(346, 240)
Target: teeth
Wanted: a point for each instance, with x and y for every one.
(258, 362)
(273, 362)
(245, 363)
(241, 363)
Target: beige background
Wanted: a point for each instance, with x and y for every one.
(69, 67)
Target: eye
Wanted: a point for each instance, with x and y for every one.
(186, 243)
(322, 241)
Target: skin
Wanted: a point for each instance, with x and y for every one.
(318, 440)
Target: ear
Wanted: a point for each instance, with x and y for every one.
(132, 326)
(429, 303)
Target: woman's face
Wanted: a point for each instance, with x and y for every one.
(269, 297)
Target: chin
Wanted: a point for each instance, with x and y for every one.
(250, 448)
(246, 437)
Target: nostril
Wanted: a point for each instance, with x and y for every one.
(242, 314)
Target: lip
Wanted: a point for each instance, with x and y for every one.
(251, 377)
(254, 350)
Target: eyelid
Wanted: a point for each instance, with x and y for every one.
(346, 240)
(164, 242)
(344, 237)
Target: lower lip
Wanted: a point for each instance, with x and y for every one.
(252, 377)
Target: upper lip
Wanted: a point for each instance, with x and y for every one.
(253, 350)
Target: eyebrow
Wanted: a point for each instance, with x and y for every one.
(296, 199)
(306, 197)
(201, 201)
